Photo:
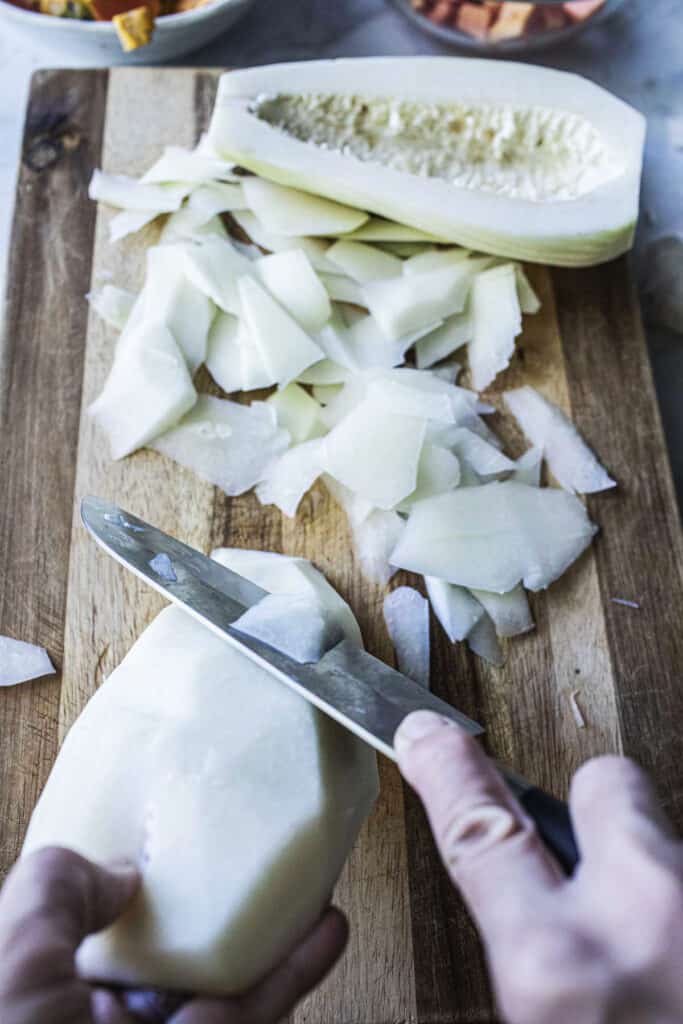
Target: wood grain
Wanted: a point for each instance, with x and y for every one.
(41, 363)
(414, 957)
(640, 553)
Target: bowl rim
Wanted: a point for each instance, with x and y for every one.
(94, 28)
(545, 39)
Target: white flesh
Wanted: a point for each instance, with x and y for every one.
(510, 613)
(190, 165)
(288, 211)
(207, 201)
(569, 458)
(496, 322)
(453, 333)
(21, 662)
(292, 623)
(406, 614)
(315, 248)
(290, 476)
(375, 533)
(129, 222)
(376, 229)
(363, 262)
(228, 444)
(147, 391)
(529, 301)
(343, 289)
(187, 225)
(290, 278)
(385, 471)
(213, 267)
(483, 457)
(190, 740)
(434, 259)
(528, 468)
(494, 536)
(284, 347)
(130, 194)
(455, 608)
(170, 297)
(438, 471)
(112, 304)
(224, 355)
(483, 641)
(297, 413)
(411, 302)
(282, 574)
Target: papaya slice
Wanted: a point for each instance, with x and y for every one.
(519, 161)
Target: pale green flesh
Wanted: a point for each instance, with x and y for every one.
(535, 153)
(578, 250)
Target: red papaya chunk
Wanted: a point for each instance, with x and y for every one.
(512, 21)
(441, 12)
(474, 20)
(549, 19)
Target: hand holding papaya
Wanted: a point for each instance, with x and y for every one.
(54, 898)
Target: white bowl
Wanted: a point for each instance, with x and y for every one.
(97, 42)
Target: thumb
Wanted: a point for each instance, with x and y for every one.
(52, 899)
(488, 844)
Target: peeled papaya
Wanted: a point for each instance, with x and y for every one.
(510, 159)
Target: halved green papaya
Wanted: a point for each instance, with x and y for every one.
(515, 160)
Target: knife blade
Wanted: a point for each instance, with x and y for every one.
(358, 690)
(350, 685)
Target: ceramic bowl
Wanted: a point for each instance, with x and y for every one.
(96, 42)
(539, 40)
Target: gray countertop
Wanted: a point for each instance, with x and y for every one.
(637, 54)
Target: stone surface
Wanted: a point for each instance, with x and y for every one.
(636, 54)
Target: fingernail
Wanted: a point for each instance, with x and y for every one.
(416, 726)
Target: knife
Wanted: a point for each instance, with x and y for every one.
(356, 689)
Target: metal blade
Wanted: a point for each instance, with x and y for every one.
(357, 690)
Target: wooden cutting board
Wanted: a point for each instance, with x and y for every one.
(413, 954)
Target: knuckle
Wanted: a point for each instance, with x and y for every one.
(546, 949)
(662, 888)
(469, 831)
(440, 749)
(52, 864)
(57, 879)
(548, 968)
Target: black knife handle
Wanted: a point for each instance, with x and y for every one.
(554, 825)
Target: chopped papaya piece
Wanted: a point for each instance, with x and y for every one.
(440, 14)
(547, 18)
(134, 28)
(474, 20)
(512, 21)
(579, 10)
(57, 8)
(188, 5)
